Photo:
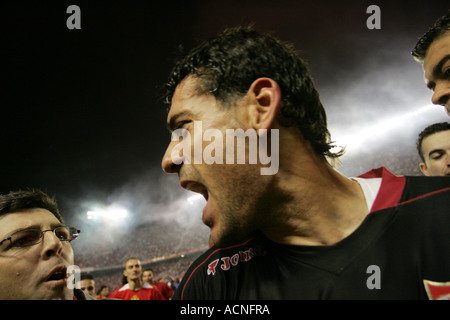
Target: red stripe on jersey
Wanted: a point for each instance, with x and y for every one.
(425, 195)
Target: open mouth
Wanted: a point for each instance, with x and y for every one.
(195, 187)
(57, 274)
(204, 193)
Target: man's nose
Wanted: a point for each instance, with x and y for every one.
(171, 163)
(441, 95)
(52, 245)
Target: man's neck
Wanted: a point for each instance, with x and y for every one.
(324, 207)
(135, 284)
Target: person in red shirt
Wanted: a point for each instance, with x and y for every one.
(164, 288)
(135, 288)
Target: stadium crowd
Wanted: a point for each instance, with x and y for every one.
(165, 247)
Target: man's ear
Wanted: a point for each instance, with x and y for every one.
(266, 99)
(424, 169)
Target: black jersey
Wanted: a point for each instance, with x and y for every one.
(400, 251)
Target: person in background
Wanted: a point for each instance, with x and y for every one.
(433, 52)
(164, 288)
(135, 288)
(433, 146)
(102, 293)
(87, 284)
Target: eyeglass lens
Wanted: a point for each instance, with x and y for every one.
(33, 236)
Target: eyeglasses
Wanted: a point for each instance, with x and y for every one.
(29, 237)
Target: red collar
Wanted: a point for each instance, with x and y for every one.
(391, 188)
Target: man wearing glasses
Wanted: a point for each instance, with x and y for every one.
(35, 250)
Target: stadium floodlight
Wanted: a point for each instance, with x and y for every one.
(110, 214)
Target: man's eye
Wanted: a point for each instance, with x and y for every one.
(179, 131)
(24, 239)
(63, 234)
(181, 124)
(436, 156)
(446, 74)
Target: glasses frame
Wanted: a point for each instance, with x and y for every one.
(74, 232)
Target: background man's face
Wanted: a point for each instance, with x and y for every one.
(437, 71)
(133, 269)
(436, 151)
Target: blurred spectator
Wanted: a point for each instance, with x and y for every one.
(164, 288)
(102, 293)
(87, 284)
(135, 289)
(433, 146)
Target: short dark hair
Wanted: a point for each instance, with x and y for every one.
(87, 276)
(101, 288)
(229, 63)
(16, 201)
(431, 129)
(441, 26)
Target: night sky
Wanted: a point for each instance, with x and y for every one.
(80, 114)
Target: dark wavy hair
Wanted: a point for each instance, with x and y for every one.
(16, 201)
(441, 26)
(228, 64)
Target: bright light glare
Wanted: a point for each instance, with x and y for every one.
(193, 198)
(110, 214)
(382, 127)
